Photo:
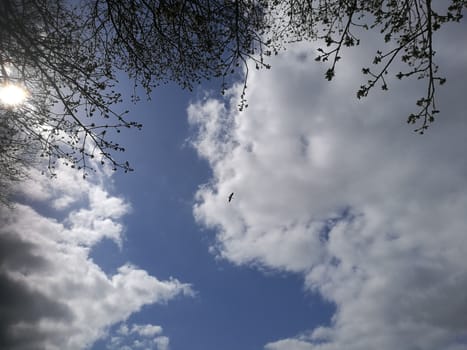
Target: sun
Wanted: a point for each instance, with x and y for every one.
(12, 95)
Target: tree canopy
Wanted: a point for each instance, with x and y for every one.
(66, 57)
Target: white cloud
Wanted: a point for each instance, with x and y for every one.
(138, 336)
(162, 343)
(55, 295)
(343, 191)
(61, 191)
(146, 330)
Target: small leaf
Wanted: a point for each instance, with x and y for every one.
(329, 74)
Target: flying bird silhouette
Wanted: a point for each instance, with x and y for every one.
(230, 196)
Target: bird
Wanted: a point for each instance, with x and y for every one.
(230, 196)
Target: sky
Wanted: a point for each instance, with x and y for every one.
(346, 229)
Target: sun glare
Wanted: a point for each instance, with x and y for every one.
(12, 95)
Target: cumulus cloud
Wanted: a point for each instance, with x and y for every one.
(138, 336)
(343, 192)
(53, 295)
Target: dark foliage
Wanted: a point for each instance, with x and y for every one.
(67, 56)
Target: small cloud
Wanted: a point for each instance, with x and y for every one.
(147, 330)
(138, 336)
(162, 343)
(123, 329)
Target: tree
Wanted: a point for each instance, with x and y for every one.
(67, 56)
(44, 50)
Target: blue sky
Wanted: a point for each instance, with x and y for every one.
(346, 230)
(164, 239)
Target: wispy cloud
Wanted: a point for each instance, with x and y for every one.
(54, 296)
(343, 192)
